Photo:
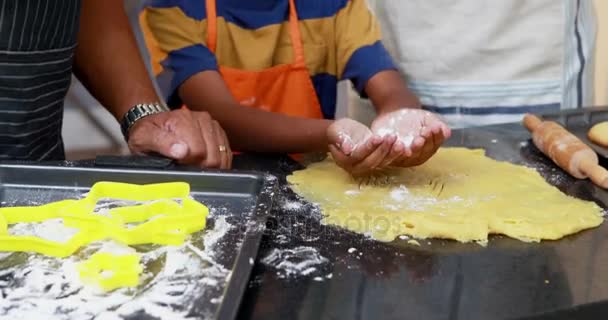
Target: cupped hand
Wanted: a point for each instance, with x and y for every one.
(418, 135)
(188, 137)
(355, 148)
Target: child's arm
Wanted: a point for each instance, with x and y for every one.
(363, 59)
(251, 129)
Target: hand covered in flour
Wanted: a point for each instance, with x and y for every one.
(418, 135)
(356, 149)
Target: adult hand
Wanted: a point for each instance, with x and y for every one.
(355, 148)
(188, 137)
(418, 133)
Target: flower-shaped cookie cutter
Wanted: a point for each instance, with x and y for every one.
(110, 271)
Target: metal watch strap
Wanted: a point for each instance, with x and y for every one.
(138, 112)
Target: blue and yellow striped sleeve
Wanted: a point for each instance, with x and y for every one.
(360, 53)
(176, 46)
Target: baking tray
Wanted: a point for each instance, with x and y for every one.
(242, 199)
(579, 121)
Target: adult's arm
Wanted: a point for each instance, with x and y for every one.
(109, 64)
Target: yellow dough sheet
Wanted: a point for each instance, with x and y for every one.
(458, 194)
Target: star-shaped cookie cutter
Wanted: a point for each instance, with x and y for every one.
(57, 210)
(163, 222)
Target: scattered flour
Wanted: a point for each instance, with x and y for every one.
(352, 192)
(52, 230)
(299, 261)
(399, 194)
(292, 205)
(401, 199)
(173, 281)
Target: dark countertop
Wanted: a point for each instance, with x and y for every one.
(565, 279)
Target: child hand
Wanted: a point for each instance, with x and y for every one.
(355, 148)
(418, 133)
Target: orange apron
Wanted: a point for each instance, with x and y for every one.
(285, 89)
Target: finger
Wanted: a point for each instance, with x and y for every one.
(361, 152)
(212, 157)
(416, 150)
(222, 141)
(426, 131)
(417, 146)
(341, 140)
(374, 160)
(438, 137)
(346, 145)
(183, 126)
(447, 132)
(395, 153)
(429, 149)
(342, 160)
(229, 153)
(439, 124)
(148, 136)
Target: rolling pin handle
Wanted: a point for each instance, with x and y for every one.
(531, 122)
(595, 172)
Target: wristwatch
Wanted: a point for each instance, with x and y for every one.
(139, 112)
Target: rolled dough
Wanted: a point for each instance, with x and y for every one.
(459, 194)
(598, 134)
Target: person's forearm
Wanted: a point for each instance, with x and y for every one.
(251, 129)
(108, 61)
(388, 92)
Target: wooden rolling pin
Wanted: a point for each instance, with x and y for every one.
(566, 150)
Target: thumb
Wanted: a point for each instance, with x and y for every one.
(340, 139)
(158, 141)
(350, 134)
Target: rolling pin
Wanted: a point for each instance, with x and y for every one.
(566, 150)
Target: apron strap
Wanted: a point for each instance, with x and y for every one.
(295, 35)
(294, 31)
(211, 25)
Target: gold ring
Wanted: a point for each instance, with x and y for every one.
(222, 148)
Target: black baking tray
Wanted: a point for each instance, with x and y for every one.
(579, 121)
(246, 197)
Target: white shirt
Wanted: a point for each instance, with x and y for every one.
(481, 62)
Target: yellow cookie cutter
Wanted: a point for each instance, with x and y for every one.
(162, 222)
(87, 225)
(3, 226)
(109, 271)
(172, 226)
(134, 192)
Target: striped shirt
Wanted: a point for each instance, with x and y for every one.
(480, 62)
(37, 42)
(341, 40)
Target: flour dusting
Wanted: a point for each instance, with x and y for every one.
(292, 205)
(400, 198)
(299, 261)
(38, 287)
(52, 230)
(400, 193)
